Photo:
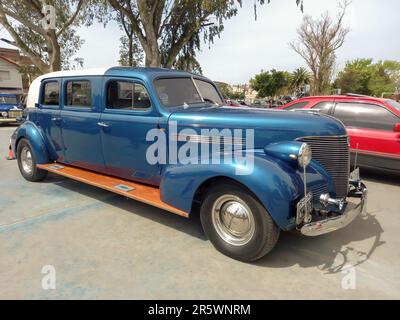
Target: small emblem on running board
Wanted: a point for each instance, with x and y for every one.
(123, 187)
(56, 167)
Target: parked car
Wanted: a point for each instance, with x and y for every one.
(232, 103)
(260, 104)
(10, 108)
(128, 130)
(373, 125)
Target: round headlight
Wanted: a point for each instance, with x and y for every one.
(305, 155)
(4, 114)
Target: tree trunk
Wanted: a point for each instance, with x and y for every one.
(130, 51)
(153, 57)
(54, 51)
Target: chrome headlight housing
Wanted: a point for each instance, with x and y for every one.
(4, 114)
(305, 155)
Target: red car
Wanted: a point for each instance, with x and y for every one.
(373, 125)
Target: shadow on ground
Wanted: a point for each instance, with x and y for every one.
(380, 176)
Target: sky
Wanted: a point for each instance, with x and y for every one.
(247, 46)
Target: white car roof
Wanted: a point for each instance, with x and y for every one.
(33, 94)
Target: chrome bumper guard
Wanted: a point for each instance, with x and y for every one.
(356, 204)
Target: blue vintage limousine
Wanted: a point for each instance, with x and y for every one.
(164, 137)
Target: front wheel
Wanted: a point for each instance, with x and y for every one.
(27, 162)
(237, 224)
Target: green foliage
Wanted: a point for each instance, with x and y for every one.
(365, 77)
(298, 79)
(228, 92)
(270, 83)
(130, 52)
(225, 89)
(168, 29)
(46, 49)
(189, 63)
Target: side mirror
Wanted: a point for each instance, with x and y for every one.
(396, 127)
(37, 105)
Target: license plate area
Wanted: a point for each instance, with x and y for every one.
(304, 209)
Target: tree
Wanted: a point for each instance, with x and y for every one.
(189, 63)
(362, 76)
(355, 77)
(225, 89)
(298, 79)
(130, 51)
(270, 83)
(165, 28)
(385, 78)
(46, 38)
(318, 40)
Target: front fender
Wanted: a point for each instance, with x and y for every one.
(33, 134)
(276, 184)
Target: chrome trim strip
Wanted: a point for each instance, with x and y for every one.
(208, 139)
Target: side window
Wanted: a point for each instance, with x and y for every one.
(79, 93)
(368, 116)
(298, 105)
(127, 95)
(323, 107)
(51, 94)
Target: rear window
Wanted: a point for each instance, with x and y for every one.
(393, 104)
(323, 107)
(51, 93)
(298, 105)
(79, 93)
(8, 100)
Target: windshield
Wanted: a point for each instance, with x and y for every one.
(208, 91)
(393, 104)
(8, 100)
(180, 91)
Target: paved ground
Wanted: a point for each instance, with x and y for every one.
(105, 246)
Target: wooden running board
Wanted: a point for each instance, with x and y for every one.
(137, 191)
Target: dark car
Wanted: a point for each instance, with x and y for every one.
(10, 108)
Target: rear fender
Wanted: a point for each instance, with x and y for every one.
(29, 131)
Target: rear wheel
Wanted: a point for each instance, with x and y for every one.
(27, 162)
(237, 224)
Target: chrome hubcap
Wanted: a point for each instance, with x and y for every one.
(26, 160)
(233, 220)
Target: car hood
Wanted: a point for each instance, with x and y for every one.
(269, 125)
(6, 107)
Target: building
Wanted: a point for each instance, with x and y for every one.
(10, 77)
(250, 94)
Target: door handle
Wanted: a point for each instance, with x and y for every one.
(102, 124)
(55, 119)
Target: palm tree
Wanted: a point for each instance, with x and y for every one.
(299, 78)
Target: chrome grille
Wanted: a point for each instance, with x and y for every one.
(332, 152)
(14, 113)
(317, 191)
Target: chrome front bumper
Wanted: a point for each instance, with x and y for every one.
(355, 205)
(8, 120)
